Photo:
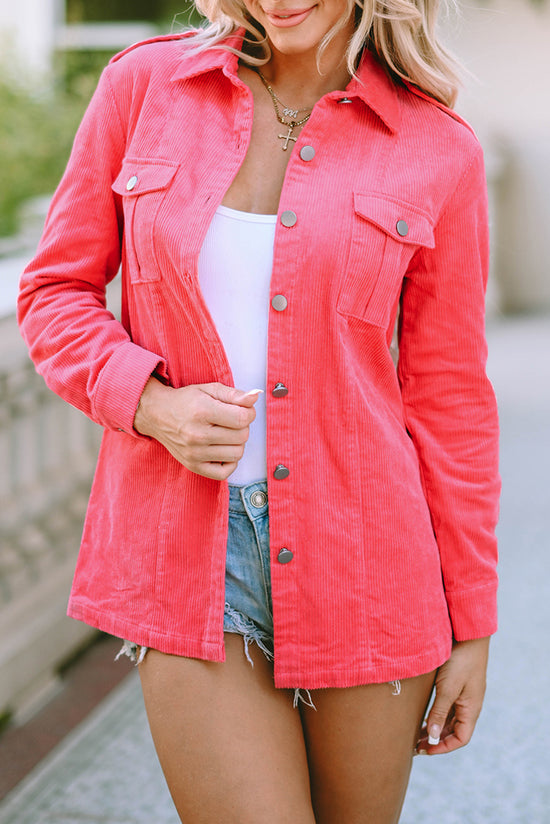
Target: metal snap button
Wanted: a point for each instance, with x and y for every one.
(285, 556)
(131, 183)
(345, 100)
(281, 472)
(402, 228)
(258, 499)
(307, 153)
(279, 390)
(289, 219)
(279, 303)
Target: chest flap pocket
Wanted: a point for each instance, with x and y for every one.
(386, 233)
(143, 185)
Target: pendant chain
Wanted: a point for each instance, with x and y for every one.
(287, 112)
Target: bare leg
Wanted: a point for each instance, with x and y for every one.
(360, 745)
(231, 745)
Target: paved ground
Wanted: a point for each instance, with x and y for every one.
(84, 681)
(106, 771)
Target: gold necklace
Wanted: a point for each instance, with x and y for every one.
(288, 112)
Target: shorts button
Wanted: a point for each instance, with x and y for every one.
(131, 183)
(285, 556)
(258, 499)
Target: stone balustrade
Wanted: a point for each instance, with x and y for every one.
(47, 455)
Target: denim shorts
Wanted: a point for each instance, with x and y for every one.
(248, 608)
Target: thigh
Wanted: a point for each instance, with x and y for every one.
(230, 745)
(360, 745)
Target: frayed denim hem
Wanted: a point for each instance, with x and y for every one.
(250, 633)
(242, 625)
(130, 650)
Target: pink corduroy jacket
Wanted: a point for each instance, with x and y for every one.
(390, 503)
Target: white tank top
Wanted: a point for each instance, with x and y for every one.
(234, 268)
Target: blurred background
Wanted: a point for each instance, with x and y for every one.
(53, 670)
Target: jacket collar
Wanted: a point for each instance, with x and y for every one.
(371, 84)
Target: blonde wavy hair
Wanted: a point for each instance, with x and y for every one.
(401, 32)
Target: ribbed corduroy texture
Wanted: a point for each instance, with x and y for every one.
(391, 501)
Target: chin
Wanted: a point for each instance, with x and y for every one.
(293, 43)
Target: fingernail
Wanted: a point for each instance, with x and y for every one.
(434, 735)
(253, 392)
(422, 752)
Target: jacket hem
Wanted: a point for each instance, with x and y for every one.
(171, 644)
(362, 675)
(340, 677)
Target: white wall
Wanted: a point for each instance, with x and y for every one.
(28, 30)
(505, 44)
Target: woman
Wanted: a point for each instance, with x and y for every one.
(277, 186)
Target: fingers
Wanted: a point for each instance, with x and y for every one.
(224, 406)
(216, 471)
(460, 688)
(440, 712)
(204, 426)
(456, 732)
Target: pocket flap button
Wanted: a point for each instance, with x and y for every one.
(402, 228)
(131, 183)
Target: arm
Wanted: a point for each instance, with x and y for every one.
(450, 413)
(82, 351)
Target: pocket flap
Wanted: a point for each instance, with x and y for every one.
(137, 177)
(399, 219)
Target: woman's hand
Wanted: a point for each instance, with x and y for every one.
(459, 692)
(204, 426)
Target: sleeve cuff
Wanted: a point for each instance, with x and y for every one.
(473, 612)
(121, 384)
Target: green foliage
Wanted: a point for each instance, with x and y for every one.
(36, 133)
(162, 12)
(37, 128)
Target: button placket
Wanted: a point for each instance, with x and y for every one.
(279, 303)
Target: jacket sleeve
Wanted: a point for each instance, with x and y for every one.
(450, 407)
(84, 354)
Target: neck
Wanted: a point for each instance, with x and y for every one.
(297, 79)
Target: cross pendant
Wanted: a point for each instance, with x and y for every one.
(287, 137)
